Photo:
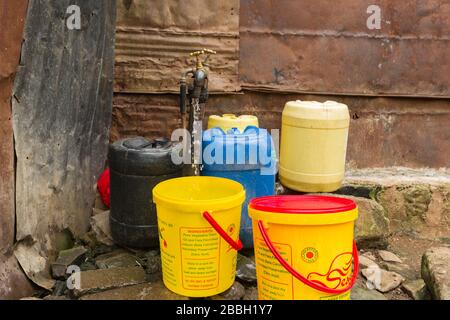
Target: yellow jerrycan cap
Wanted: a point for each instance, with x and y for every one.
(229, 121)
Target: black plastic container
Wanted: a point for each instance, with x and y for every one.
(136, 166)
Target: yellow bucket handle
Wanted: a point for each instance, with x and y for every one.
(237, 245)
(296, 274)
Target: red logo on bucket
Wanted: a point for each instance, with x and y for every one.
(230, 231)
(162, 238)
(310, 254)
(338, 275)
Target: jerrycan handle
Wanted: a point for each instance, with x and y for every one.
(236, 245)
(296, 274)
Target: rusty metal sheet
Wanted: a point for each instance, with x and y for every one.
(154, 39)
(148, 115)
(384, 132)
(13, 282)
(12, 16)
(61, 117)
(314, 47)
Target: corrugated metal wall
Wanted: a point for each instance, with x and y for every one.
(326, 47)
(299, 50)
(295, 46)
(154, 39)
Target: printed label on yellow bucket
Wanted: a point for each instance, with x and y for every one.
(200, 249)
(277, 282)
(168, 256)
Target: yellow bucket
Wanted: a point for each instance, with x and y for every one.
(304, 247)
(198, 221)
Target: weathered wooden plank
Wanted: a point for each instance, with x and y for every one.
(6, 168)
(154, 39)
(12, 16)
(61, 115)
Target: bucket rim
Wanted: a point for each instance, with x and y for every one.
(312, 204)
(303, 219)
(220, 203)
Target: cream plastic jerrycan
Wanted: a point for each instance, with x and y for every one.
(313, 145)
(228, 121)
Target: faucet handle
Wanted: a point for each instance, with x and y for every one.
(203, 51)
(209, 51)
(199, 53)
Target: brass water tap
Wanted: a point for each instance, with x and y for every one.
(198, 54)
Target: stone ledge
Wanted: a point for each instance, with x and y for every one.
(372, 228)
(417, 201)
(395, 176)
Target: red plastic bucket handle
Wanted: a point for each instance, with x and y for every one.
(299, 276)
(237, 245)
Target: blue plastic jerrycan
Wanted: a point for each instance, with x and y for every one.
(247, 157)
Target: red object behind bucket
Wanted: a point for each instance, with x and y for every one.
(104, 189)
(302, 204)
